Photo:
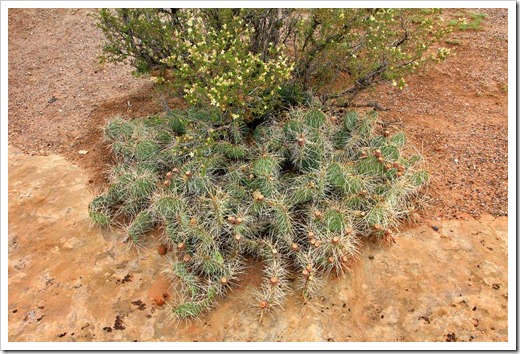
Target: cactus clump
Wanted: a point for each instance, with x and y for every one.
(297, 192)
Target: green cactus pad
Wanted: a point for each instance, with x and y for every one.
(350, 121)
(100, 218)
(231, 151)
(118, 130)
(146, 150)
(177, 123)
(143, 222)
(314, 118)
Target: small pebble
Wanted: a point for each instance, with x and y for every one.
(436, 228)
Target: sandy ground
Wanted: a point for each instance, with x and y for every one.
(71, 282)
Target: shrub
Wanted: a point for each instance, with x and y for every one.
(297, 192)
(209, 62)
(363, 47)
(239, 60)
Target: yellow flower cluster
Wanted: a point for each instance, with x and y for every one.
(217, 68)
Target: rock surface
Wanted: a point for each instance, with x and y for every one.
(71, 282)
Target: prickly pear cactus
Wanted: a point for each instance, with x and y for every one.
(297, 192)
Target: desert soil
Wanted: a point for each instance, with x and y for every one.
(71, 282)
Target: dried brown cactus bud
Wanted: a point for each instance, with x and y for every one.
(377, 153)
(308, 267)
(376, 227)
(386, 133)
(231, 219)
(193, 221)
(363, 155)
(305, 273)
(399, 173)
(318, 214)
(381, 159)
(348, 231)
(223, 280)
(400, 168)
(238, 237)
(258, 196)
(312, 241)
(363, 193)
(166, 183)
(301, 140)
(317, 244)
(274, 281)
(344, 259)
(188, 174)
(238, 220)
(186, 258)
(169, 174)
(389, 237)
(311, 234)
(175, 170)
(181, 246)
(264, 304)
(159, 300)
(295, 247)
(335, 240)
(331, 260)
(251, 176)
(162, 250)
(395, 165)
(274, 251)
